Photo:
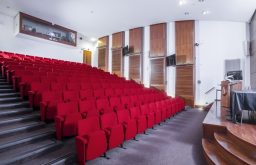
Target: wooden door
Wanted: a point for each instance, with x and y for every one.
(87, 57)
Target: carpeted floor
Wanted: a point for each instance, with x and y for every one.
(177, 142)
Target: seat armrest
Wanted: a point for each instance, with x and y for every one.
(81, 140)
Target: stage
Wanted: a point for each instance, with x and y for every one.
(225, 142)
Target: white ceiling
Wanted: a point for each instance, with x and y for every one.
(95, 18)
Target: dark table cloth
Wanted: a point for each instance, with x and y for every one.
(242, 100)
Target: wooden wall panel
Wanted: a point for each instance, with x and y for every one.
(185, 83)
(117, 54)
(184, 32)
(157, 73)
(136, 54)
(136, 40)
(118, 40)
(103, 48)
(158, 49)
(158, 40)
(135, 68)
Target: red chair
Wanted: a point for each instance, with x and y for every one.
(91, 141)
(70, 96)
(126, 101)
(58, 86)
(140, 120)
(113, 130)
(88, 108)
(99, 93)
(115, 103)
(161, 106)
(103, 106)
(67, 119)
(129, 125)
(73, 86)
(109, 92)
(86, 94)
(35, 93)
(149, 115)
(48, 106)
(157, 112)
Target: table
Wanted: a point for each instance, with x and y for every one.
(242, 100)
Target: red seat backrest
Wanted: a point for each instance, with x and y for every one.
(67, 108)
(87, 105)
(88, 125)
(123, 116)
(70, 96)
(108, 120)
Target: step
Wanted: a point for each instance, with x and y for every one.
(235, 151)
(245, 136)
(2, 80)
(7, 95)
(26, 134)
(16, 128)
(212, 153)
(4, 83)
(7, 86)
(29, 151)
(63, 155)
(34, 116)
(10, 100)
(7, 90)
(21, 104)
(22, 141)
(14, 112)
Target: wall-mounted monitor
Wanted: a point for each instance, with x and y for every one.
(126, 50)
(171, 60)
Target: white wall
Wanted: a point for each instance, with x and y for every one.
(37, 47)
(218, 41)
(146, 62)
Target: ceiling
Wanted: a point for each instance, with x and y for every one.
(96, 18)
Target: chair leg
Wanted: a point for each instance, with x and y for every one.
(122, 146)
(105, 156)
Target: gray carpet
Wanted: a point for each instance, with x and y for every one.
(177, 141)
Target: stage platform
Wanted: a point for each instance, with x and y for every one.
(225, 142)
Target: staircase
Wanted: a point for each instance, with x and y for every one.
(24, 139)
(229, 148)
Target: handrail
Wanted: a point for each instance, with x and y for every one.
(210, 90)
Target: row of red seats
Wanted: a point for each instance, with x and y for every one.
(96, 134)
(50, 100)
(68, 114)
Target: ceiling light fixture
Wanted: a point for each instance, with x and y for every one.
(93, 39)
(182, 2)
(206, 12)
(186, 13)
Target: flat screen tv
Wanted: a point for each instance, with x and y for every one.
(171, 60)
(126, 50)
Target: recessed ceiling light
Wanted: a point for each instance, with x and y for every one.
(93, 39)
(186, 13)
(182, 2)
(206, 12)
(201, 0)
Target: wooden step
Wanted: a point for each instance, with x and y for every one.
(212, 153)
(245, 135)
(235, 151)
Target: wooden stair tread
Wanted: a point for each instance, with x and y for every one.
(247, 135)
(212, 153)
(241, 152)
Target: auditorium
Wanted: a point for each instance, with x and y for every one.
(128, 82)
